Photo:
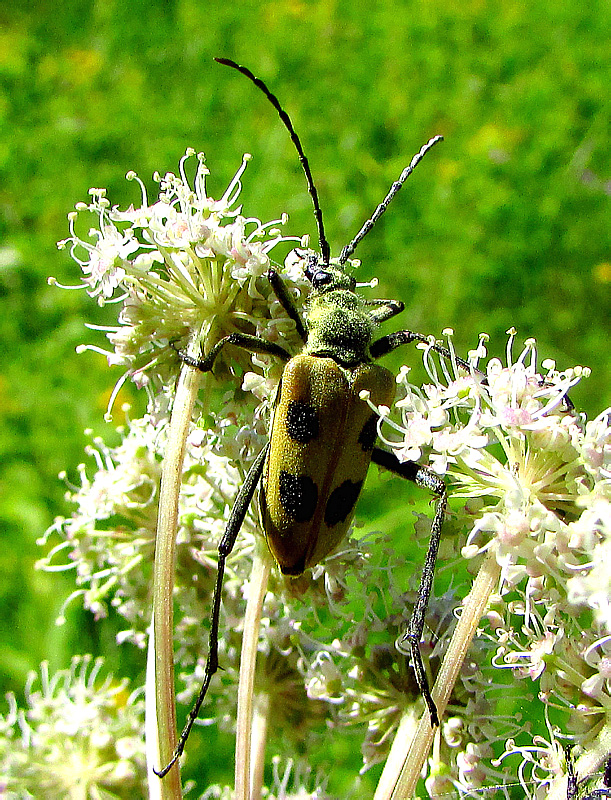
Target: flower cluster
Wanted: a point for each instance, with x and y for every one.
(536, 478)
(533, 510)
(531, 484)
(185, 266)
(79, 736)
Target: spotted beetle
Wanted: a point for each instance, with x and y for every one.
(321, 426)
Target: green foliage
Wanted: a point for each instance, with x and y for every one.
(504, 224)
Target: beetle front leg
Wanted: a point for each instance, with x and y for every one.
(422, 476)
(386, 309)
(244, 340)
(234, 525)
(286, 301)
(393, 340)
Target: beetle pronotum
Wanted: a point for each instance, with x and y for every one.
(320, 419)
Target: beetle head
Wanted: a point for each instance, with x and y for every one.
(325, 276)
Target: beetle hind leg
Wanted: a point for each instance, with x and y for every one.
(422, 476)
(413, 635)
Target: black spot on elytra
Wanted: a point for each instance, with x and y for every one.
(369, 433)
(298, 496)
(302, 422)
(341, 502)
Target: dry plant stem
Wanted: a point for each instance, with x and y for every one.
(474, 607)
(257, 588)
(258, 742)
(163, 575)
(396, 757)
(150, 719)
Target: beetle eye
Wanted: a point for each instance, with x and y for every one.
(316, 273)
(321, 278)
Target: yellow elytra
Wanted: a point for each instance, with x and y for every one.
(321, 440)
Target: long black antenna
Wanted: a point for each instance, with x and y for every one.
(324, 244)
(349, 248)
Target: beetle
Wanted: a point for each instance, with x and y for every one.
(323, 433)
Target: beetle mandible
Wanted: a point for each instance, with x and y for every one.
(320, 424)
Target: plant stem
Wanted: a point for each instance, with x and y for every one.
(258, 742)
(163, 575)
(474, 606)
(151, 730)
(396, 757)
(257, 588)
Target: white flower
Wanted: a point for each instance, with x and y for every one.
(186, 266)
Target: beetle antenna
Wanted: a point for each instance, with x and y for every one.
(350, 248)
(324, 244)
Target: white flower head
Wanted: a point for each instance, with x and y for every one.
(183, 266)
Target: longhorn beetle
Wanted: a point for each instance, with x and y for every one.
(322, 436)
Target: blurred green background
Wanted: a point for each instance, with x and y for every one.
(505, 223)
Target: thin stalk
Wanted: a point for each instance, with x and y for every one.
(150, 719)
(258, 741)
(163, 576)
(396, 757)
(257, 588)
(474, 607)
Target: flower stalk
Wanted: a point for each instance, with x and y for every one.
(473, 609)
(249, 772)
(163, 575)
(190, 274)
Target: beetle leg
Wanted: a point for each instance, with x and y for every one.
(286, 301)
(244, 340)
(386, 344)
(385, 309)
(393, 340)
(571, 778)
(422, 476)
(234, 524)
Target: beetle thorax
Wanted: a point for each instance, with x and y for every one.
(339, 327)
